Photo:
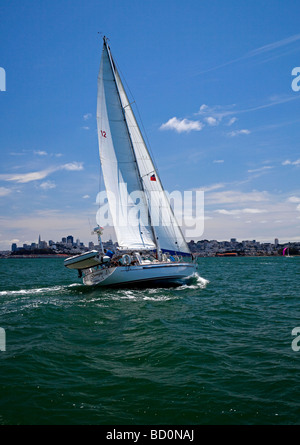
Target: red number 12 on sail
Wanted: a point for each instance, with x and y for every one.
(103, 133)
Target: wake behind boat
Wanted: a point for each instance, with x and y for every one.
(152, 247)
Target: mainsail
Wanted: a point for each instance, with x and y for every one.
(128, 168)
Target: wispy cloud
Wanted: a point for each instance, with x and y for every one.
(47, 185)
(42, 174)
(232, 121)
(234, 197)
(271, 47)
(27, 177)
(212, 121)
(74, 166)
(260, 169)
(288, 162)
(87, 116)
(239, 211)
(40, 153)
(211, 187)
(182, 125)
(220, 112)
(238, 132)
(295, 199)
(4, 191)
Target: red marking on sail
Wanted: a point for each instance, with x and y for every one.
(153, 178)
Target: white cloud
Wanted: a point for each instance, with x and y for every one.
(232, 121)
(4, 191)
(261, 169)
(294, 199)
(288, 162)
(74, 166)
(47, 185)
(40, 153)
(86, 196)
(85, 128)
(239, 211)
(218, 161)
(211, 121)
(238, 132)
(233, 197)
(87, 116)
(182, 125)
(203, 108)
(211, 187)
(23, 178)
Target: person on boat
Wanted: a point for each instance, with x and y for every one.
(108, 253)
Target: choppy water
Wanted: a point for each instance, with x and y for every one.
(214, 351)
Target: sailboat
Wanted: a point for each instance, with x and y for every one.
(152, 247)
(286, 255)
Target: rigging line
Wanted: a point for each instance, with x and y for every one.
(135, 125)
(115, 73)
(139, 115)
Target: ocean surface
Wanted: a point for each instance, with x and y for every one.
(217, 350)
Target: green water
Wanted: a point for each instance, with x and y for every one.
(215, 351)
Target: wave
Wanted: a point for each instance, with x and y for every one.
(194, 282)
(39, 290)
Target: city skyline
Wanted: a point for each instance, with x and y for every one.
(199, 248)
(70, 240)
(214, 87)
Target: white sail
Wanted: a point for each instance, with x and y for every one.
(167, 232)
(120, 171)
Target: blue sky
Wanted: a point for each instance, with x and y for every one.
(212, 80)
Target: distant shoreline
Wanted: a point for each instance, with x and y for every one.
(61, 255)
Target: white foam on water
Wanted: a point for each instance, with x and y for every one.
(39, 290)
(194, 282)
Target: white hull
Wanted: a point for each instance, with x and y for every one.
(140, 274)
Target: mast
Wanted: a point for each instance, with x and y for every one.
(113, 68)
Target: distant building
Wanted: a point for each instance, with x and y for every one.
(276, 242)
(14, 247)
(91, 245)
(64, 240)
(233, 240)
(70, 240)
